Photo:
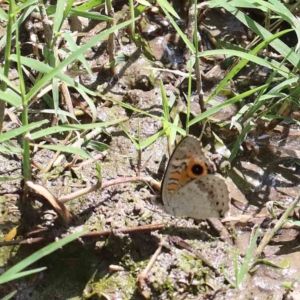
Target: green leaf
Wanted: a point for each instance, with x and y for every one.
(17, 131)
(61, 128)
(165, 5)
(46, 79)
(216, 108)
(66, 149)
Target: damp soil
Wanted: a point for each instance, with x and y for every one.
(196, 259)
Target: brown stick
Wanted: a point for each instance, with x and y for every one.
(144, 228)
(155, 184)
(90, 234)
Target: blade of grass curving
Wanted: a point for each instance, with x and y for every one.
(258, 103)
(8, 82)
(10, 295)
(246, 263)
(288, 83)
(73, 47)
(41, 67)
(66, 149)
(68, 8)
(272, 231)
(3, 15)
(10, 149)
(59, 15)
(9, 96)
(235, 70)
(61, 128)
(233, 100)
(281, 10)
(240, 140)
(173, 131)
(281, 47)
(41, 83)
(165, 5)
(90, 103)
(79, 13)
(128, 106)
(179, 31)
(246, 4)
(26, 273)
(52, 111)
(19, 22)
(273, 65)
(17, 131)
(153, 138)
(90, 15)
(132, 139)
(90, 4)
(27, 3)
(5, 179)
(5, 277)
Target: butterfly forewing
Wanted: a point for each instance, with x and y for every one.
(190, 187)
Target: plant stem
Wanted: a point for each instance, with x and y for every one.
(26, 147)
(3, 86)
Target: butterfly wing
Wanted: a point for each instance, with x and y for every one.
(190, 187)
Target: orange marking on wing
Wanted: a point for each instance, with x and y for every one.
(175, 175)
(181, 177)
(173, 187)
(184, 178)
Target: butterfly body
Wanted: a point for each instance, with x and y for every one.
(191, 187)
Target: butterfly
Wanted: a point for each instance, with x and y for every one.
(191, 187)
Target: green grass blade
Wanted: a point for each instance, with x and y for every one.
(179, 31)
(38, 255)
(249, 255)
(11, 97)
(10, 149)
(3, 15)
(4, 179)
(281, 47)
(90, 103)
(58, 129)
(41, 67)
(61, 113)
(240, 140)
(59, 15)
(144, 144)
(20, 21)
(65, 149)
(216, 108)
(15, 132)
(9, 296)
(55, 94)
(74, 47)
(25, 273)
(41, 83)
(90, 15)
(90, 4)
(164, 4)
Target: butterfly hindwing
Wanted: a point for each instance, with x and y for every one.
(190, 186)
